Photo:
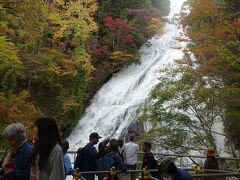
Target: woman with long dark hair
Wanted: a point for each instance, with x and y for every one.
(47, 156)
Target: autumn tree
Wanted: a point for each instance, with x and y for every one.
(47, 44)
(214, 28)
(188, 106)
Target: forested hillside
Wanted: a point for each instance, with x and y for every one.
(214, 27)
(55, 54)
(204, 90)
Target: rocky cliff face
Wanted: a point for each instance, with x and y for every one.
(136, 129)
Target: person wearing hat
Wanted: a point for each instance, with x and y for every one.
(211, 162)
(90, 156)
(149, 160)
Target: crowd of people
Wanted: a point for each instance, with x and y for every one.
(45, 156)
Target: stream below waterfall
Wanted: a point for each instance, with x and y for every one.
(118, 103)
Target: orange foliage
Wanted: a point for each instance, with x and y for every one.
(15, 108)
(214, 28)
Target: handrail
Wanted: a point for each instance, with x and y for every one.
(178, 155)
(213, 171)
(220, 174)
(128, 171)
(216, 174)
(196, 156)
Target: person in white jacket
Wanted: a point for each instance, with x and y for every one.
(130, 150)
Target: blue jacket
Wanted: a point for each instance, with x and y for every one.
(67, 165)
(20, 159)
(119, 162)
(182, 175)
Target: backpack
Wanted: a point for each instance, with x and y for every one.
(79, 161)
(106, 162)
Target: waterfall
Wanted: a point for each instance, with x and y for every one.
(119, 101)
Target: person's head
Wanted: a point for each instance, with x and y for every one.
(131, 138)
(120, 143)
(114, 147)
(14, 134)
(113, 141)
(46, 130)
(167, 168)
(65, 146)
(146, 146)
(47, 136)
(210, 152)
(94, 138)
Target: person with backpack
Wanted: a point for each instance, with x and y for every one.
(112, 159)
(86, 159)
(149, 160)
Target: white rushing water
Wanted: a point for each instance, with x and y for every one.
(118, 102)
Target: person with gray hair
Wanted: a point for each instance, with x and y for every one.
(15, 165)
(15, 131)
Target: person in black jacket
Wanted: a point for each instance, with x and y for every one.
(90, 156)
(149, 160)
(211, 162)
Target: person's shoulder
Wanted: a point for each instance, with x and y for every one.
(149, 154)
(88, 145)
(146, 155)
(27, 147)
(57, 149)
(89, 148)
(56, 152)
(183, 173)
(136, 145)
(66, 156)
(115, 157)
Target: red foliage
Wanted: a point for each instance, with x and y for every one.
(115, 24)
(128, 40)
(121, 23)
(99, 52)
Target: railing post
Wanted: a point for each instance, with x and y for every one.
(113, 172)
(76, 174)
(146, 173)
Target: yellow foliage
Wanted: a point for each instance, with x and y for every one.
(121, 56)
(74, 19)
(84, 59)
(68, 104)
(77, 15)
(15, 108)
(154, 25)
(8, 53)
